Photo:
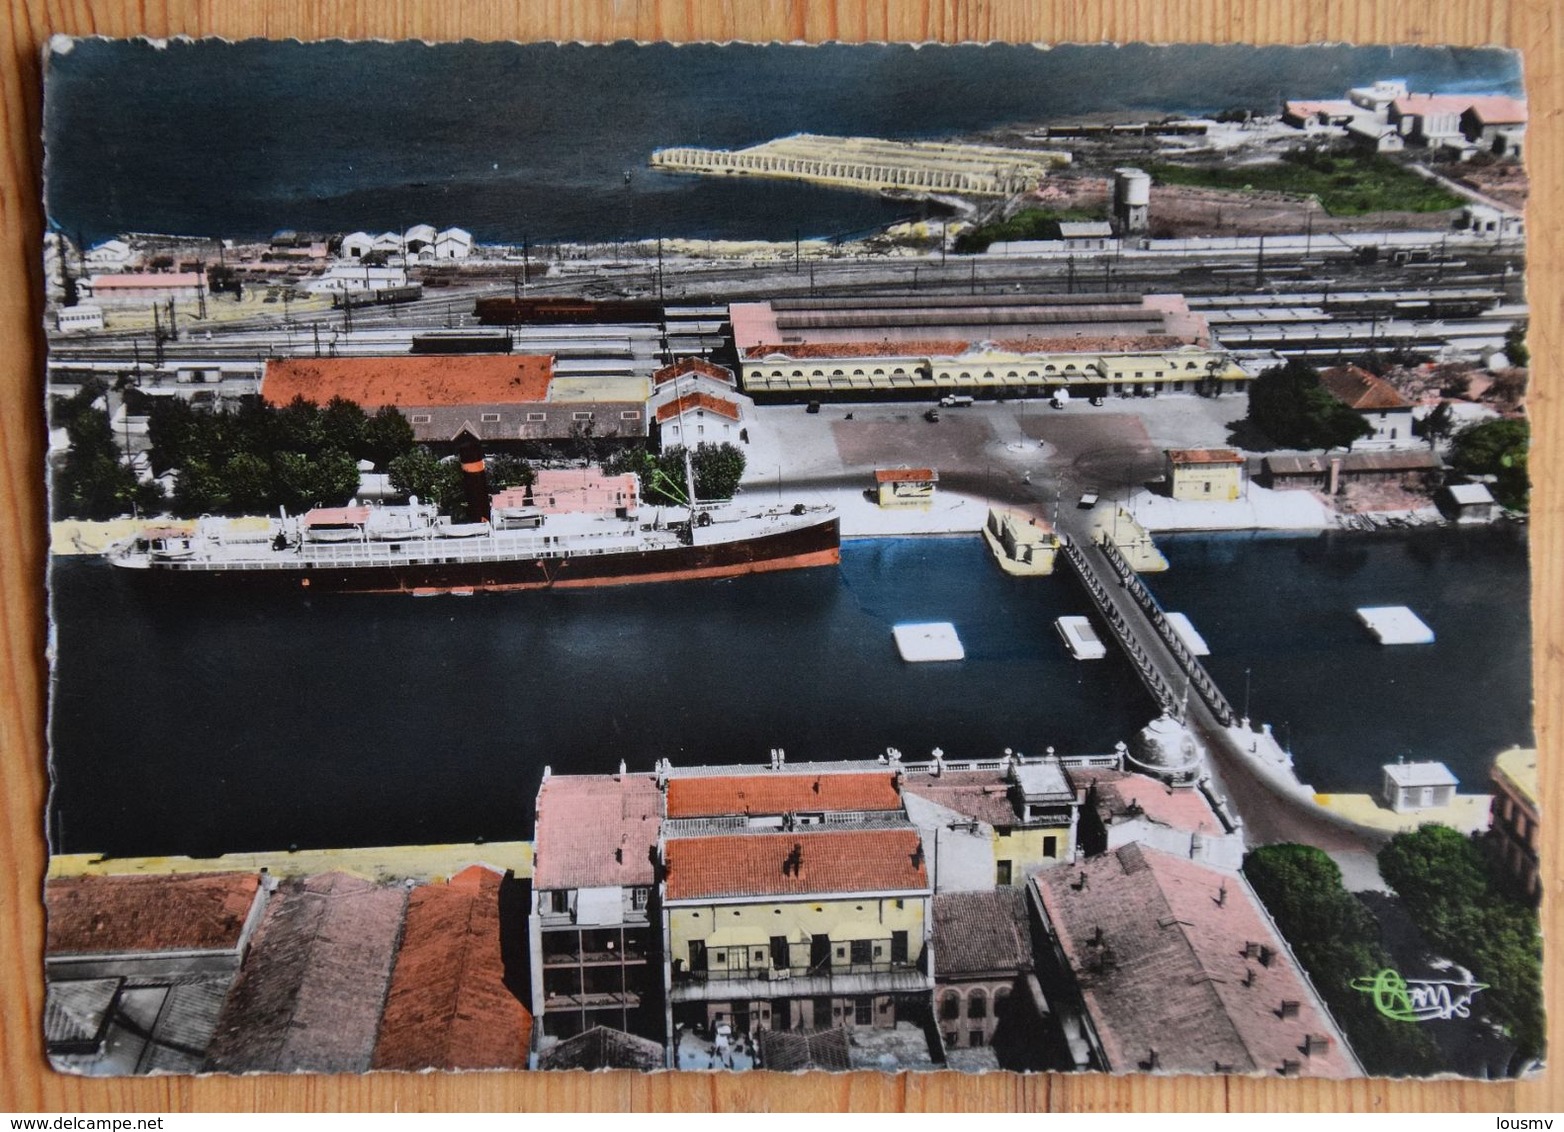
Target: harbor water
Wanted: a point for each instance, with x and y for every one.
(200, 727)
(515, 141)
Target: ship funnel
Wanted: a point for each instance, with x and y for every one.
(475, 481)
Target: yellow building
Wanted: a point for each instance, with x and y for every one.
(1516, 836)
(1208, 475)
(993, 346)
(906, 487)
(803, 928)
(996, 824)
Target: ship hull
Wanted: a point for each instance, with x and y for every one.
(800, 548)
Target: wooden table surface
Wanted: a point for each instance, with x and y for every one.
(26, 1082)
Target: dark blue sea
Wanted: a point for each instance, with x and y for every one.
(198, 727)
(533, 141)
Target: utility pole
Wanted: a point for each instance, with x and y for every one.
(797, 251)
(525, 259)
(659, 268)
(1069, 287)
(973, 284)
(1259, 265)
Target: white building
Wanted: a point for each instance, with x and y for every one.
(111, 255)
(453, 243)
(356, 245)
(1379, 404)
(1418, 786)
(78, 318)
(342, 278)
(418, 237)
(695, 402)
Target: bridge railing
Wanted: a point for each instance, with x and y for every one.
(1199, 679)
(1149, 675)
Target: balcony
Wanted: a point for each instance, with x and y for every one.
(842, 979)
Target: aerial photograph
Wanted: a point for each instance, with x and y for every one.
(723, 557)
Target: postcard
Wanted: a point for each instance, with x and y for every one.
(996, 558)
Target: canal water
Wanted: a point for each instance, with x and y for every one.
(515, 141)
(202, 726)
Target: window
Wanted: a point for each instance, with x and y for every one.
(559, 900)
(950, 1006)
(419, 418)
(489, 418)
(863, 1011)
(580, 416)
(975, 1039)
(1002, 874)
(898, 947)
(1050, 846)
(537, 416)
(977, 1005)
(861, 951)
(630, 415)
(639, 897)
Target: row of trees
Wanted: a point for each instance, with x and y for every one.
(259, 457)
(95, 482)
(1461, 901)
(1467, 909)
(1337, 940)
(718, 468)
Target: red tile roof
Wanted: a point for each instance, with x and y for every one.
(737, 865)
(417, 381)
(761, 864)
(980, 794)
(1204, 456)
(1121, 795)
(717, 795)
(692, 401)
(596, 830)
(905, 475)
(1497, 110)
(692, 365)
(448, 1006)
(1361, 390)
(129, 281)
(1432, 104)
(981, 933)
(110, 915)
(956, 347)
(1168, 971)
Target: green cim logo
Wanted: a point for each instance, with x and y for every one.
(1420, 1000)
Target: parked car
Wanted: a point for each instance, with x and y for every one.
(931, 416)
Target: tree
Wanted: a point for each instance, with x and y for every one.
(718, 470)
(1290, 405)
(509, 471)
(1456, 895)
(1496, 448)
(1437, 425)
(387, 435)
(1515, 347)
(1336, 939)
(343, 425)
(94, 483)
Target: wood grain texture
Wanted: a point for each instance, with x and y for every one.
(27, 1084)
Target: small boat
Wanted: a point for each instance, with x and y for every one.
(1080, 638)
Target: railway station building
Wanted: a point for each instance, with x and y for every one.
(995, 346)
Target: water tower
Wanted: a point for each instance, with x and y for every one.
(1131, 200)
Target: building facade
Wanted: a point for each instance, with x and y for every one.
(1087, 346)
(1516, 836)
(1207, 475)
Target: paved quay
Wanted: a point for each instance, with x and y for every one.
(383, 863)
